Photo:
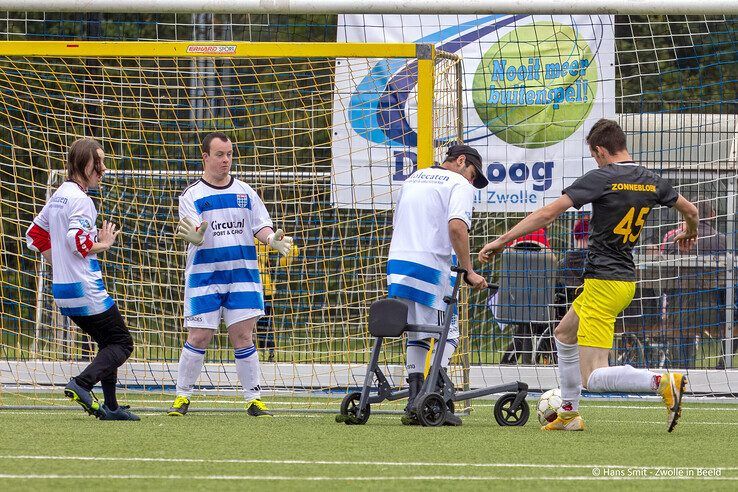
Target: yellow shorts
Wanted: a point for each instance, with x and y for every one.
(597, 307)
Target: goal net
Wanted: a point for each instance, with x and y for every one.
(534, 86)
(282, 105)
(303, 126)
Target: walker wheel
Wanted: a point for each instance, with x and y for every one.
(431, 410)
(350, 412)
(506, 416)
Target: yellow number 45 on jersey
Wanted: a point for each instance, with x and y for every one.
(625, 226)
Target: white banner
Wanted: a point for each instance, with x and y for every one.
(533, 87)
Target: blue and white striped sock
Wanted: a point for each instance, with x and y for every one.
(247, 367)
(189, 368)
(194, 349)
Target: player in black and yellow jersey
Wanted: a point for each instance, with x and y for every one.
(622, 194)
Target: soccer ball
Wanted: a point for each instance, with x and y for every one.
(549, 406)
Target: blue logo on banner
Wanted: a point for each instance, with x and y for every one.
(377, 110)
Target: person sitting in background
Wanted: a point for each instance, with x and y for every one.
(520, 348)
(694, 312)
(709, 240)
(571, 267)
(571, 271)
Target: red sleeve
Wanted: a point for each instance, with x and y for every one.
(38, 238)
(83, 242)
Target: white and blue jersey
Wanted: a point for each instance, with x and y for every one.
(421, 253)
(223, 273)
(66, 225)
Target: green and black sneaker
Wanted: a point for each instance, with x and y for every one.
(257, 408)
(179, 407)
(123, 412)
(86, 399)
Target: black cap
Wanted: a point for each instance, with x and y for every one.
(473, 158)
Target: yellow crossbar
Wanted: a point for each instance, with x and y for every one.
(128, 49)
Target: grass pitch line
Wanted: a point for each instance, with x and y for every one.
(682, 421)
(696, 408)
(324, 416)
(168, 401)
(320, 403)
(76, 412)
(349, 479)
(343, 463)
(729, 407)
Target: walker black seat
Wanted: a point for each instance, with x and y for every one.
(387, 318)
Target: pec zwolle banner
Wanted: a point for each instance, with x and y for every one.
(533, 86)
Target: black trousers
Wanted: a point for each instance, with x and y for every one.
(264, 331)
(521, 347)
(114, 343)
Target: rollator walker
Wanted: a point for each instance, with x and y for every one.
(388, 319)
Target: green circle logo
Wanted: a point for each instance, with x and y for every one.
(536, 86)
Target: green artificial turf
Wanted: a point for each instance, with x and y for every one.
(625, 447)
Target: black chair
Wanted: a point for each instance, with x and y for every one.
(525, 300)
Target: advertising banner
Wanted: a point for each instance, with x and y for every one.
(533, 87)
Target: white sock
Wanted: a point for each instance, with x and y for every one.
(625, 379)
(247, 367)
(570, 376)
(190, 366)
(448, 352)
(417, 351)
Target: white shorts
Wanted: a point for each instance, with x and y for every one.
(206, 309)
(420, 314)
(211, 320)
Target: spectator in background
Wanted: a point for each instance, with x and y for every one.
(520, 349)
(536, 241)
(709, 240)
(571, 267)
(692, 312)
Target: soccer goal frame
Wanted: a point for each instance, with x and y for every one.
(379, 6)
(38, 372)
(425, 53)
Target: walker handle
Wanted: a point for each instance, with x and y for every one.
(462, 272)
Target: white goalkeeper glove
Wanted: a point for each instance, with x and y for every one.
(280, 242)
(188, 230)
(286, 261)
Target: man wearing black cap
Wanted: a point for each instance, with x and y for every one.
(459, 157)
(431, 231)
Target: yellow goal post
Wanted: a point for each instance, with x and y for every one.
(305, 137)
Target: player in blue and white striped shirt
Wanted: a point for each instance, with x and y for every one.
(219, 217)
